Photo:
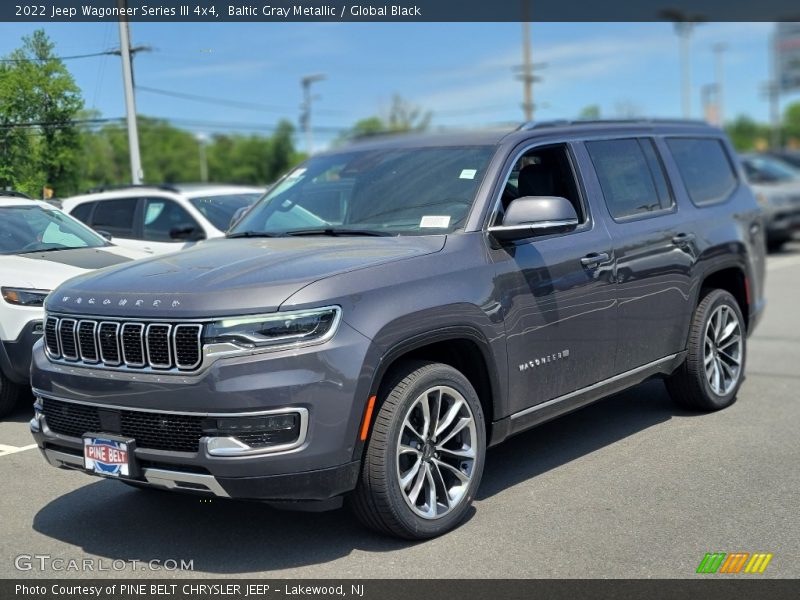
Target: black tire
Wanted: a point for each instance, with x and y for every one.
(9, 395)
(688, 385)
(378, 500)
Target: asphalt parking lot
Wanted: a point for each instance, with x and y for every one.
(629, 487)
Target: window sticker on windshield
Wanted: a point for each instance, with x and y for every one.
(434, 221)
(468, 173)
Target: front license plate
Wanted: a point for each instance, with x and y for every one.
(106, 456)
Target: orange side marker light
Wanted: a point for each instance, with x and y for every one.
(367, 418)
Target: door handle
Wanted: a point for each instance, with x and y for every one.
(683, 238)
(594, 259)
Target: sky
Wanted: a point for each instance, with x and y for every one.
(461, 72)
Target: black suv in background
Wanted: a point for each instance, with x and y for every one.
(391, 309)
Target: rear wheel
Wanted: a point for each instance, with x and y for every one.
(9, 394)
(424, 459)
(713, 370)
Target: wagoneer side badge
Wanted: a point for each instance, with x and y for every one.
(548, 358)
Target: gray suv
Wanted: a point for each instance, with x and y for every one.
(391, 309)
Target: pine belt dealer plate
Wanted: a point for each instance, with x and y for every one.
(107, 456)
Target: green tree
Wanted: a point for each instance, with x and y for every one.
(590, 113)
(402, 116)
(39, 99)
(791, 125)
(746, 134)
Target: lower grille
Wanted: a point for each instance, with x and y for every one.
(158, 431)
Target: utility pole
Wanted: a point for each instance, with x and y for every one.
(684, 26)
(201, 141)
(719, 75)
(774, 94)
(130, 102)
(305, 114)
(527, 71)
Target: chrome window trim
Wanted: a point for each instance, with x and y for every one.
(149, 358)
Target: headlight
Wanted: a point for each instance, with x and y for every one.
(276, 329)
(23, 297)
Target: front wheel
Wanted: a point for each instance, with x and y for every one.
(713, 370)
(425, 457)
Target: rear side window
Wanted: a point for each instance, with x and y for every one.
(631, 176)
(115, 216)
(82, 211)
(705, 168)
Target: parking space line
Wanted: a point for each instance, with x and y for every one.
(6, 450)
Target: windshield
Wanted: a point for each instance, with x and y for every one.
(394, 191)
(220, 210)
(761, 169)
(35, 229)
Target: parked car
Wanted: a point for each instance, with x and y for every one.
(40, 247)
(777, 188)
(159, 219)
(790, 157)
(391, 309)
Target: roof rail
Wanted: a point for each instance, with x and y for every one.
(124, 186)
(573, 122)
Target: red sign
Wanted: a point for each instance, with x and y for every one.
(106, 454)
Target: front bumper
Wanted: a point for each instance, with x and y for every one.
(15, 355)
(324, 382)
(781, 224)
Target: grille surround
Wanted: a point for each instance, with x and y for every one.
(117, 344)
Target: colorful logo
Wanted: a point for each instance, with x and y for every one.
(734, 562)
(106, 457)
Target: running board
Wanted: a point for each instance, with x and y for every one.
(546, 411)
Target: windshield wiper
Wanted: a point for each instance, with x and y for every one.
(253, 234)
(339, 231)
(53, 249)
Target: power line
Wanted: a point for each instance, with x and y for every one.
(73, 57)
(223, 101)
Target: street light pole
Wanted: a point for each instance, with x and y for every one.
(305, 115)
(684, 31)
(130, 101)
(719, 49)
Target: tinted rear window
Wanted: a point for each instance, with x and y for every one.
(630, 175)
(705, 169)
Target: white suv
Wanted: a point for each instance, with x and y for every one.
(40, 248)
(160, 219)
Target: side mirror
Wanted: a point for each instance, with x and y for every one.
(535, 215)
(103, 234)
(186, 233)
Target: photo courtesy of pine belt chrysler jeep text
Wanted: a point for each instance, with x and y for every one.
(392, 308)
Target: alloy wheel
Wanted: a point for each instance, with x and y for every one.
(436, 452)
(722, 350)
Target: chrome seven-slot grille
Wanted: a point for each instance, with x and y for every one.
(112, 343)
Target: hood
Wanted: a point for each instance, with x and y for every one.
(48, 270)
(228, 276)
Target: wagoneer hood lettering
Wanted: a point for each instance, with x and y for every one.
(228, 276)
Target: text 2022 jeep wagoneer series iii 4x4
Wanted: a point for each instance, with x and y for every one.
(392, 308)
